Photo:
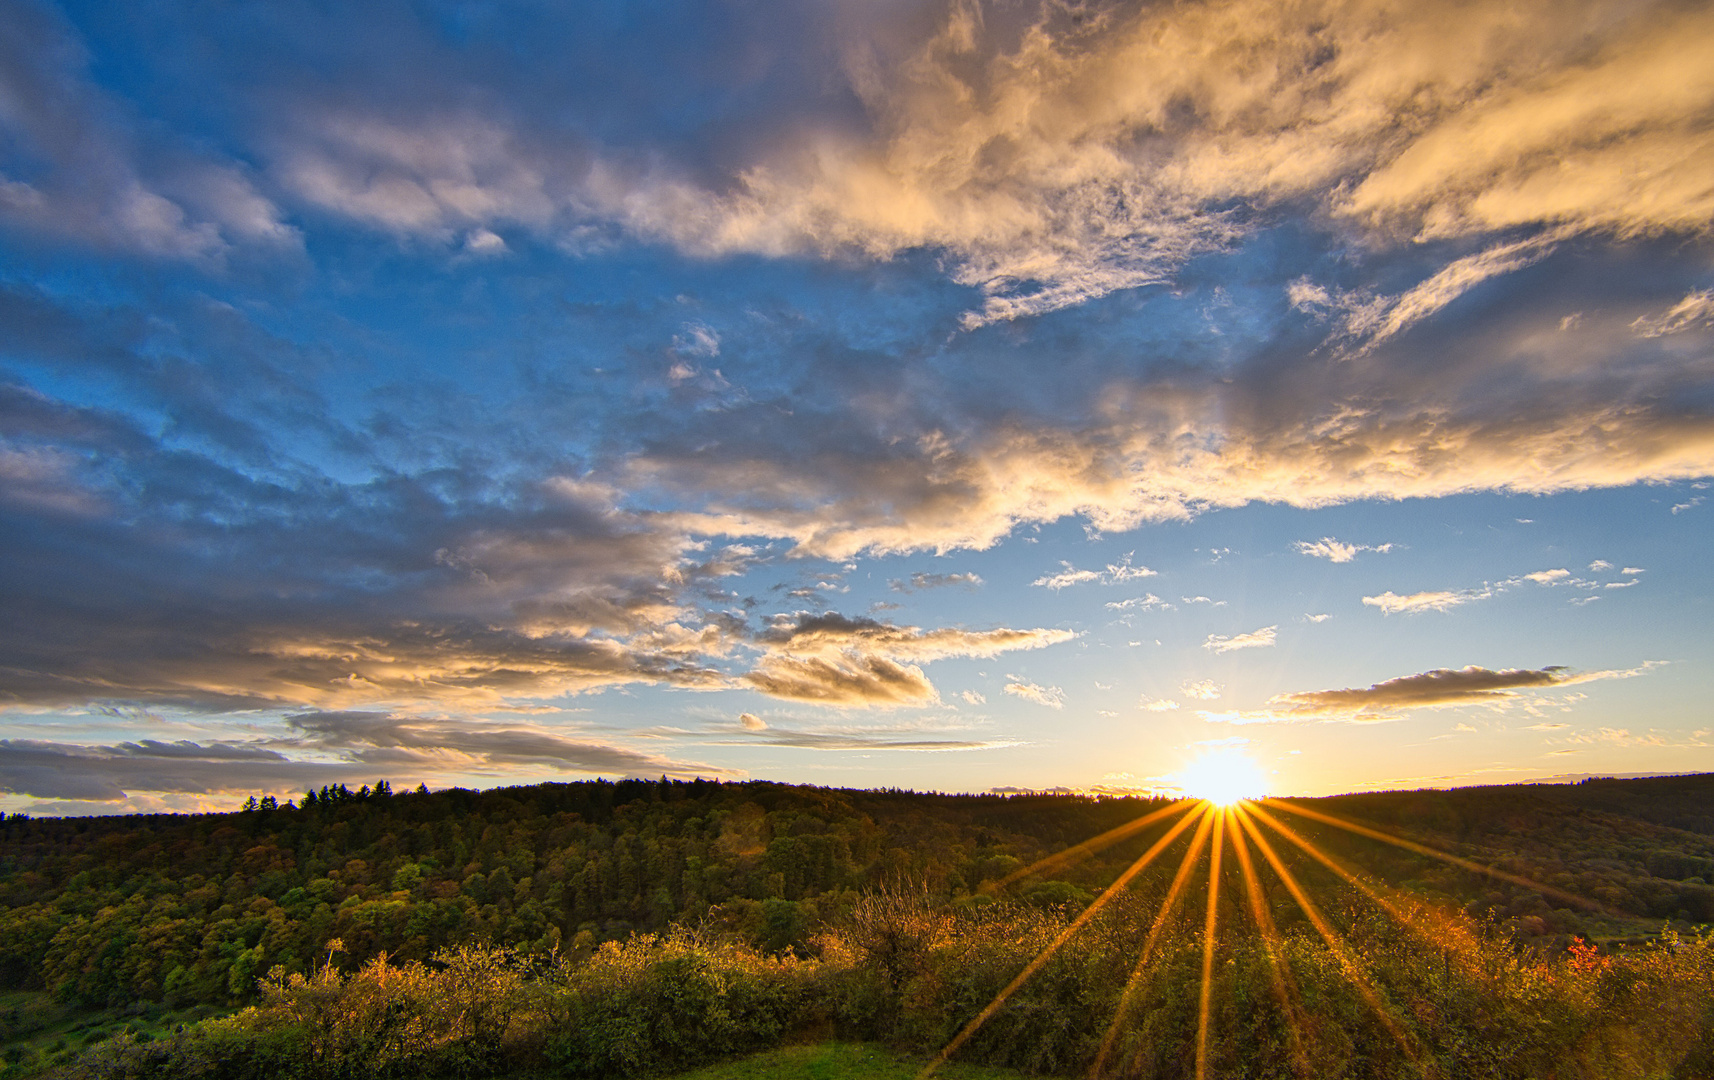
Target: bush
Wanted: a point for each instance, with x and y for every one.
(656, 1004)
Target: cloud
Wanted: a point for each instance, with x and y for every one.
(1051, 696)
(849, 680)
(1321, 618)
(1391, 603)
(1438, 688)
(1203, 690)
(838, 660)
(1053, 160)
(77, 166)
(1149, 704)
(972, 697)
(1334, 551)
(1691, 504)
(1114, 574)
(752, 722)
(1067, 577)
(1255, 639)
(920, 580)
(1696, 308)
(919, 737)
(1599, 565)
(1548, 577)
(319, 748)
(1146, 602)
(1380, 318)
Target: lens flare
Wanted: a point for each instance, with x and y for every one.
(1223, 777)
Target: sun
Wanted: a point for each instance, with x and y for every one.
(1222, 777)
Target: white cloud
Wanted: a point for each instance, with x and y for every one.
(1548, 577)
(484, 242)
(1599, 565)
(1147, 602)
(1051, 696)
(1149, 704)
(1442, 600)
(1202, 690)
(1112, 575)
(1255, 639)
(752, 722)
(1067, 577)
(1696, 308)
(973, 697)
(1317, 618)
(1336, 551)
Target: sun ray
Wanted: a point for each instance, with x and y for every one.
(1079, 852)
(1377, 893)
(1279, 975)
(1424, 849)
(1186, 865)
(1210, 925)
(1342, 952)
(1054, 946)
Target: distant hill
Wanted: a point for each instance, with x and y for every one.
(187, 909)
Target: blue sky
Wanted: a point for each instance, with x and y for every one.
(940, 395)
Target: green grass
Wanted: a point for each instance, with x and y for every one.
(37, 1032)
(839, 1061)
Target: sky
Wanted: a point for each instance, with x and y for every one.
(878, 393)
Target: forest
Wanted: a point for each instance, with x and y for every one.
(610, 929)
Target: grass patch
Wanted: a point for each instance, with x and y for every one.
(839, 1061)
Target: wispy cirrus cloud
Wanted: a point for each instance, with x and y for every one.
(1051, 696)
(1335, 551)
(1113, 574)
(1391, 603)
(1201, 690)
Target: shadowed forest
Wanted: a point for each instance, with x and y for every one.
(642, 928)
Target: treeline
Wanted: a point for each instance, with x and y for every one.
(194, 908)
(1641, 847)
(188, 909)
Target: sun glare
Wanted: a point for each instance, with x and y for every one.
(1223, 777)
